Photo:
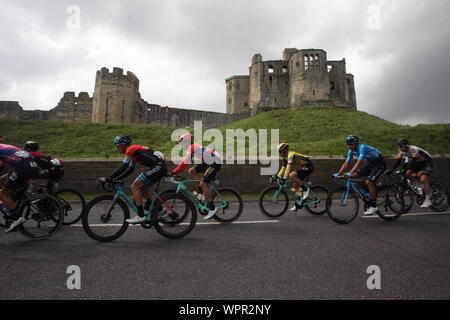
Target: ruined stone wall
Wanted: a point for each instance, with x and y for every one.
(350, 91)
(73, 109)
(10, 110)
(338, 88)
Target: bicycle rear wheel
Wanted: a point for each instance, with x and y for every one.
(103, 221)
(43, 217)
(439, 197)
(273, 202)
(390, 202)
(73, 204)
(177, 218)
(319, 195)
(229, 205)
(342, 208)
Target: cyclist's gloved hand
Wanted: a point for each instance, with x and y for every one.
(104, 180)
(282, 181)
(273, 178)
(348, 175)
(335, 175)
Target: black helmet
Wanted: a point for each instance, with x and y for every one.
(31, 146)
(403, 142)
(351, 139)
(122, 139)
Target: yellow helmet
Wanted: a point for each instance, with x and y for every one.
(283, 146)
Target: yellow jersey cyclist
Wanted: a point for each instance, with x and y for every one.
(304, 167)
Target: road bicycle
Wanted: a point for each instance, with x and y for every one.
(414, 192)
(42, 212)
(343, 204)
(228, 201)
(274, 200)
(172, 215)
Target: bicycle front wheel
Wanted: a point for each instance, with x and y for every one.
(342, 207)
(73, 204)
(177, 218)
(408, 196)
(273, 202)
(229, 205)
(105, 221)
(390, 202)
(318, 198)
(43, 217)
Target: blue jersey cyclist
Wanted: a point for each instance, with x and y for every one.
(156, 170)
(373, 169)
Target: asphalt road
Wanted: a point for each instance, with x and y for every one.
(297, 256)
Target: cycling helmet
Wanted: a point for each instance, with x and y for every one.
(403, 142)
(31, 146)
(351, 139)
(283, 146)
(122, 139)
(186, 138)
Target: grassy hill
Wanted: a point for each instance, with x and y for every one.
(318, 131)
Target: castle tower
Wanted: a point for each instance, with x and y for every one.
(116, 97)
(309, 79)
(238, 93)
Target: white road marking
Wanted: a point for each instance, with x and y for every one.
(198, 223)
(412, 214)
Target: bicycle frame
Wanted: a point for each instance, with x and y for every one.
(121, 194)
(294, 197)
(351, 186)
(181, 187)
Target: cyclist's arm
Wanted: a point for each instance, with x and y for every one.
(123, 171)
(289, 166)
(357, 165)
(397, 162)
(183, 165)
(343, 168)
(283, 168)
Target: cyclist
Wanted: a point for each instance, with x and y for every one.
(304, 168)
(51, 168)
(418, 163)
(25, 168)
(211, 164)
(374, 168)
(157, 169)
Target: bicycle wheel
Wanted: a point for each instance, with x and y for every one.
(342, 208)
(177, 218)
(439, 197)
(104, 222)
(319, 195)
(408, 196)
(229, 205)
(274, 202)
(390, 202)
(43, 217)
(73, 204)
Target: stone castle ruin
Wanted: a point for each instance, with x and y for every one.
(304, 78)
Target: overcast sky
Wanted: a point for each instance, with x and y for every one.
(183, 50)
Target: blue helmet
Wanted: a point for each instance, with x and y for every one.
(122, 139)
(351, 139)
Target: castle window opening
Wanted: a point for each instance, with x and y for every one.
(298, 65)
(349, 81)
(317, 62)
(238, 85)
(306, 62)
(332, 85)
(285, 69)
(270, 70)
(311, 62)
(329, 68)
